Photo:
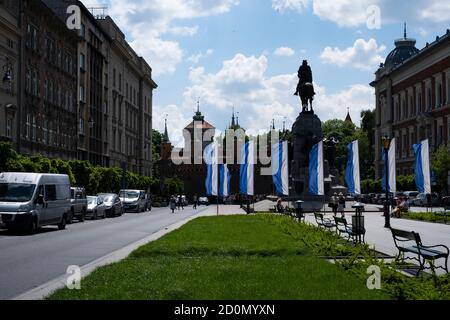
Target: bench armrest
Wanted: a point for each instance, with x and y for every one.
(437, 246)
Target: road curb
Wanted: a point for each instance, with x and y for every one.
(43, 291)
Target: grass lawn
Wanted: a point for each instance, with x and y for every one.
(215, 258)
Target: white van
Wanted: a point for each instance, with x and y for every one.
(32, 200)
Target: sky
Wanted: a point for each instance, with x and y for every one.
(246, 53)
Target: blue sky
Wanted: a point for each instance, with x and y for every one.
(247, 52)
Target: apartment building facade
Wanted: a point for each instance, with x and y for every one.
(131, 99)
(10, 42)
(49, 84)
(413, 99)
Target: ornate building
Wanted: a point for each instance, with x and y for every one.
(413, 99)
(193, 169)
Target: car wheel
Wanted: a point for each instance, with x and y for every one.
(82, 216)
(95, 216)
(62, 224)
(32, 228)
(113, 212)
(70, 218)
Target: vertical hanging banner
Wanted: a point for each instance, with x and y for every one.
(423, 176)
(247, 169)
(225, 178)
(352, 174)
(280, 168)
(392, 180)
(316, 182)
(211, 159)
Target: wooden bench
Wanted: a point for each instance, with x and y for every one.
(346, 229)
(445, 215)
(409, 242)
(324, 222)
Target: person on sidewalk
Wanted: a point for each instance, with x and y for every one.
(334, 204)
(173, 204)
(341, 204)
(194, 200)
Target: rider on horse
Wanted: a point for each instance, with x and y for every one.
(305, 88)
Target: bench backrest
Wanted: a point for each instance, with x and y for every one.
(340, 221)
(404, 236)
(318, 216)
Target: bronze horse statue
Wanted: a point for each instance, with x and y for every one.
(305, 87)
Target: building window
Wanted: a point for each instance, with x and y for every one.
(83, 31)
(120, 82)
(8, 128)
(439, 95)
(82, 61)
(114, 78)
(33, 131)
(82, 94)
(31, 37)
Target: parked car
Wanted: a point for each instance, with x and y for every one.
(29, 201)
(411, 195)
(133, 200)
(95, 208)
(445, 202)
(203, 201)
(421, 200)
(78, 203)
(113, 204)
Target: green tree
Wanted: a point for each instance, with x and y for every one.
(441, 165)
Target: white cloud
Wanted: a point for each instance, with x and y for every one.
(284, 52)
(177, 119)
(195, 58)
(438, 11)
(283, 5)
(363, 55)
(184, 31)
(346, 13)
(350, 13)
(147, 23)
(242, 81)
(357, 97)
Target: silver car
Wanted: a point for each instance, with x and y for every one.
(95, 208)
(112, 203)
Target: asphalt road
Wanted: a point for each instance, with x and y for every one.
(27, 262)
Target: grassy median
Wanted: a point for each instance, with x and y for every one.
(232, 257)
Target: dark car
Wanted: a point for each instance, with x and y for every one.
(422, 201)
(113, 204)
(79, 203)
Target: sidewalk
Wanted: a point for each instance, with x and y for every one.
(381, 238)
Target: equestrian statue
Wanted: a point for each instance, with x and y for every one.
(305, 87)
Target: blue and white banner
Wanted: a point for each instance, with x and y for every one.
(316, 182)
(211, 155)
(392, 180)
(352, 176)
(225, 178)
(423, 178)
(247, 169)
(280, 168)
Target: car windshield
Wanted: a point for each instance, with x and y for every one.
(92, 200)
(16, 192)
(129, 194)
(108, 198)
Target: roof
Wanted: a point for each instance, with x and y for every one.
(200, 125)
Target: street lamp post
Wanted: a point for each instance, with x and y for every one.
(387, 215)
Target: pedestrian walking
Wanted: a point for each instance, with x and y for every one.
(334, 203)
(173, 204)
(341, 205)
(194, 200)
